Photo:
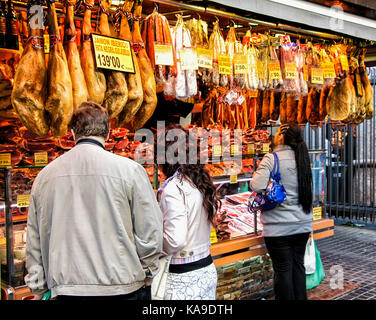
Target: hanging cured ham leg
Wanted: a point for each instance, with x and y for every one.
(79, 89)
(147, 74)
(117, 90)
(59, 102)
(29, 87)
(134, 82)
(95, 79)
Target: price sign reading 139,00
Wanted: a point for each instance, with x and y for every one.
(108, 61)
(113, 54)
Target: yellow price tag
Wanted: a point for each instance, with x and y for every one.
(234, 149)
(251, 148)
(204, 58)
(23, 200)
(317, 213)
(163, 55)
(224, 65)
(113, 54)
(5, 159)
(213, 236)
(260, 69)
(275, 71)
(3, 240)
(291, 71)
(344, 62)
(217, 150)
(233, 178)
(40, 158)
(305, 73)
(317, 76)
(46, 38)
(253, 93)
(265, 147)
(240, 64)
(328, 70)
(188, 59)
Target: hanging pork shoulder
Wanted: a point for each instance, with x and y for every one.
(134, 83)
(29, 86)
(150, 100)
(79, 89)
(368, 91)
(59, 102)
(117, 90)
(95, 79)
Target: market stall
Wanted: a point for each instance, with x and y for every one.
(231, 71)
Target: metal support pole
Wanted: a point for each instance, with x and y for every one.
(9, 227)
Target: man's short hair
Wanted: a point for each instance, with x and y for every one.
(90, 119)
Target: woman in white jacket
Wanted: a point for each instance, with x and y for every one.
(188, 201)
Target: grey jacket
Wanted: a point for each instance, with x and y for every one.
(288, 217)
(94, 225)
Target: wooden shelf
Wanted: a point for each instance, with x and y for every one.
(17, 218)
(230, 251)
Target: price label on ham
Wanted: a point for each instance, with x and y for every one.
(305, 73)
(23, 200)
(163, 55)
(234, 149)
(328, 70)
(224, 65)
(113, 54)
(204, 58)
(240, 64)
(344, 62)
(217, 150)
(40, 158)
(188, 59)
(5, 159)
(265, 147)
(46, 38)
(291, 71)
(252, 93)
(275, 71)
(317, 76)
(251, 148)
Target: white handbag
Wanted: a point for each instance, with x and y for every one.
(158, 286)
(310, 257)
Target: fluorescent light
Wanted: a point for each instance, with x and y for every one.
(326, 12)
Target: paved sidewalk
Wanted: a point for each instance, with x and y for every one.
(353, 249)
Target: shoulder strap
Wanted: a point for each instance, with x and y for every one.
(275, 173)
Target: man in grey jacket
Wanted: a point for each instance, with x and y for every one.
(94, 226)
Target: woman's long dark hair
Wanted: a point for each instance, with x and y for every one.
(293, 138)
(195, 173)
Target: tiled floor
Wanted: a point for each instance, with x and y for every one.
(351, 251)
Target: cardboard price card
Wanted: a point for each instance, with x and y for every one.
(23, 200)
(251, 148)
(233, 178)
(204, 58)
(213, 236)
(46, 38)
(253, 93)
(328, 70)
(40, 158)
(275, 71)
(265, 147)
(163, 55)
(217, 150)
(305, 73)
(113, 54)
(188, 59)
(5, 159)
(240, 64)
(291, 71)
(317, 76)
(317, 213)
(234, 149)
(344, 62)
(224, 65)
